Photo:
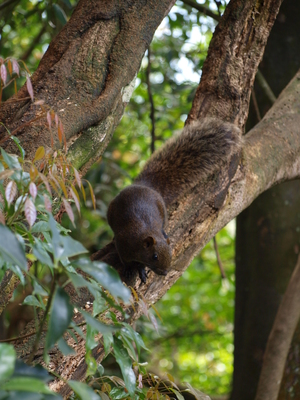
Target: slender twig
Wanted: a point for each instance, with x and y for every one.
(33, 44)
(219, 259)
(255, 104)
(265, 86)
(39, 333)
(152, 112)
(33, 333)
(202, 9)
(7, 3)
(279, 340)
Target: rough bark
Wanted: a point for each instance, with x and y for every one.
(280, 339)
(84, 75)
(268, 237)
(225, 87)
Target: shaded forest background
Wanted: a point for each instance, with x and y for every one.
(195, 340)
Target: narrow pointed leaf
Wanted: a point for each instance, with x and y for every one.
(29, 88)
(7, 361)
(16, 67)
(11, 249)
(83, 391)
(125, 364)
(60, 317)
(30, 212)
(3, 73)
(69, 211)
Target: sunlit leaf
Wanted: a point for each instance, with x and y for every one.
(7, 361)
(39, 154)
(11, 249)
(60, 317)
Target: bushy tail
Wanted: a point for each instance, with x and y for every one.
(200, 150)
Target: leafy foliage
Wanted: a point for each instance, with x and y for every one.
(198, 302)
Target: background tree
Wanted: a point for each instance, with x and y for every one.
(224, 90)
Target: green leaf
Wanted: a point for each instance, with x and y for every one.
(40, 227)
(108, 341)
(60, 14)
(27, 384)
(33, 301)
(41, 254)
(11, 160)
(99, 304)
(60, 318)
(106, 276)
(91, 364)
(65, 348)
(38, 289)
(7, 361)
(16, 270)
(83, 391)
(131, 334)
(11, 249)
(90, 342)
(38, 372)
(72, 247)
(125, 364)
(56, 239)
(18, 143)
(99, 326)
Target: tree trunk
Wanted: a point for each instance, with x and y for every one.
(268, 235)
(224, 91)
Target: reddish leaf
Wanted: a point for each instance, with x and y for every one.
(33, 172)
(60, 132)
(29, 87)
(11, 192)
(6, 174)
(2, 218)
(16, 67)
(75, 197)
(39, 154)
(45, 181)
(3, 73)
(69, 211)
(56, 119)
(77, 177)
(9, 66)
(140, 381)
(63, 187)
(30, 211)
(92, 195)
(48, 204)
(33, 190)
(49, 119)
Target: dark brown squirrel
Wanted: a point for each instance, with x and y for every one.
(138, 215)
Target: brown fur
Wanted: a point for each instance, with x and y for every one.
(138, 214)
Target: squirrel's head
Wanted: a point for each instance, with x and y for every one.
(157, 254)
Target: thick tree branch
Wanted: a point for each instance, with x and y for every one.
(280, 339)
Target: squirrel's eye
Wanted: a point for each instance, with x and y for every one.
(155, 257)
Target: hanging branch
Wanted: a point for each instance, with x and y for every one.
(152, 116)
(201, 8)
(255, 104)
(280, 339)
(265, 86)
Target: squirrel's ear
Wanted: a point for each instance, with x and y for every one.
(149, 241)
